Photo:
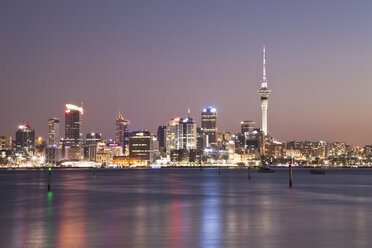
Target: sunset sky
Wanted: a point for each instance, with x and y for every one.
(153, 59)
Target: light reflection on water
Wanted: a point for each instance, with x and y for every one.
(185, 208)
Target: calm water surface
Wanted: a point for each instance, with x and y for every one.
(185, 208)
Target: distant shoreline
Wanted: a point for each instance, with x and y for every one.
(184, 167)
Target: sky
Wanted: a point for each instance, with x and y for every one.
(154, 59)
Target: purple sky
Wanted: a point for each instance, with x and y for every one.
(153, 59)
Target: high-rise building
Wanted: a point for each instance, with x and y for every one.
(122, 131)
(73, 125)
(264, 92)
(73, 132)
(91, 146)
(247, 126)
(25, 139)
(209, 125)
(93, 138)
(162, 138)
(5, 143)
(53, 131)
(181, 134)
(140, 145)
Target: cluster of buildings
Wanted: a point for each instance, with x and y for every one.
(178, 143)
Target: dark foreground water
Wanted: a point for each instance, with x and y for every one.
(185, 208)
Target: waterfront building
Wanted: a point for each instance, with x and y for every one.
(122, 126)
(181, 134)
(141, 145)
(25, 140)
(209, 125)
(162, 138)
(275, 150)
(106, 153)
(127, 161)
(264, 93)
(336, 149)
(40, 146)
(53, 131)
(5, 143)
(307, 150)
(51, 155)
(73, 125)
(73, 133)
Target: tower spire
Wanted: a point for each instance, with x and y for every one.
(264, 78)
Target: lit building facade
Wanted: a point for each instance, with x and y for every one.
(53, 131)
(209, 125)
(141, 145)
(122, 131)
(247, 126)
(181, 134)
(5, 143)
(73, 125)
(25, 139)
(93, 138)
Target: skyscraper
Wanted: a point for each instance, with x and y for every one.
(73, 125)
(264, 92)
(209, 125)
(141, 145)
(25, 139)
(162, 137)
(181, 134)
(122, 131)
(53, 131)
(93, 138)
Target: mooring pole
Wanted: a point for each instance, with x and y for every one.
(290, 173)
(49, 177)
(249, 173)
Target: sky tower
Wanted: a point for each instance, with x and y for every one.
(264, 92)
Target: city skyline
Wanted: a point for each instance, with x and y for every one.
(152, 63)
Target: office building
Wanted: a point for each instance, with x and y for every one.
(73, 125)
(247, 126)
(93, 138)
(25, 140)
(162, 138)
(122, 131)
(5, 143)
(140, 145)
(181, 134)
(53, 132)
(209, 125)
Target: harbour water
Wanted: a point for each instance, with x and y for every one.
(185, 208)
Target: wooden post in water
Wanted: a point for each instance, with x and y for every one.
(290, 173)
(49, 177)
(94, 171)
(249, 173)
